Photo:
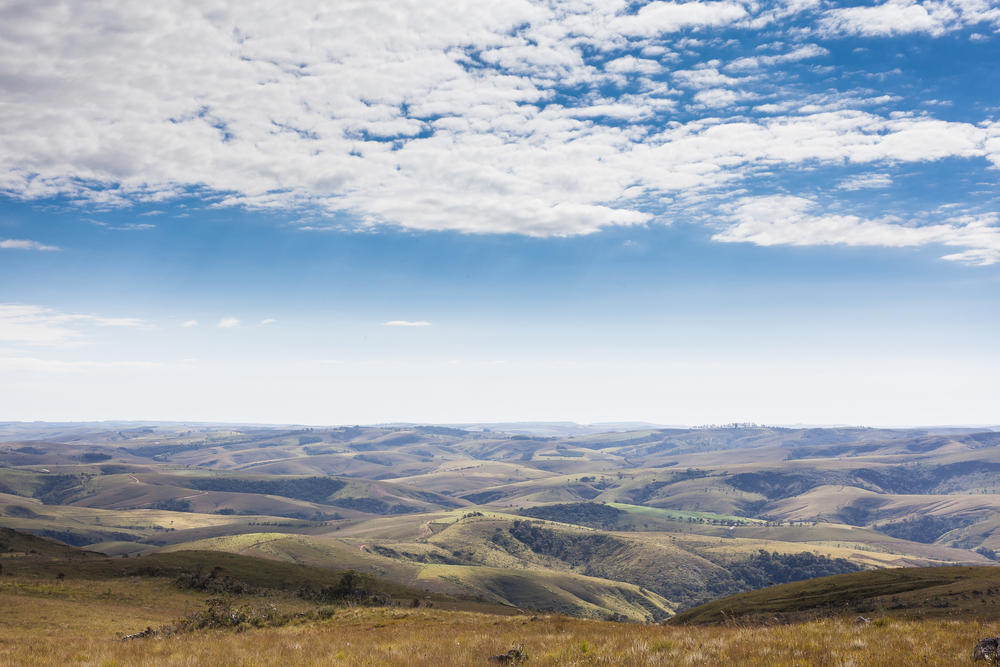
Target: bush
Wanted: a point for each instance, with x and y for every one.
(226, 613)
(202, 580)
(354, 587)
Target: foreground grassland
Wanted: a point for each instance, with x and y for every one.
(76, 623)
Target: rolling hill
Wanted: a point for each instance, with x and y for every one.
(639, 523)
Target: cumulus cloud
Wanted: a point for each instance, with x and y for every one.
(492, 117)
(268, 321)
(720, 97)
(865, 181)
(802, 52)
(706, 77)
(23, 244)
(901, 17)
(628, 64)
(190, 323)
(668, 17)
(228, 323)
(785, 220)
(405, 323)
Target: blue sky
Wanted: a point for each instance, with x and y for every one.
(682, 213)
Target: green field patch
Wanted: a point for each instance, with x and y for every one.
(682, 515)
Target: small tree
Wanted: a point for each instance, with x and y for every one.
(352, 580)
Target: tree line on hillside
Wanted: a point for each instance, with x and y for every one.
(309, 489)
(924, 529)
(593, 515)
(372, 506)
(767, 568)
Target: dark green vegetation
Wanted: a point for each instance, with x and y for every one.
(313, 489)
(925, 529)
(764, 569)
(637, 524)
(592, 515)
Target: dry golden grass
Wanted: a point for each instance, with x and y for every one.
(77, 623)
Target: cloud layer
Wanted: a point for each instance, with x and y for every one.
(536, 118)
(770, 221)
(36, 325)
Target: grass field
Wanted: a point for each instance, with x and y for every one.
(53, 623)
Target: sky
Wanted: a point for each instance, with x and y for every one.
(382, 211)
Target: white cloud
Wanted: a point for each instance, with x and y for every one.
(23, 244)
(785, 220)
(118, 321)
(667, 17)
(743, 65)
(404, 323)
(629, 64)
(190, 323)
(707, 77)
(720, 97)
(865, 181)
(228, 323)
(901, 17)
(802, 52)
(268, 321)
(36, 325)
(426, 115)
